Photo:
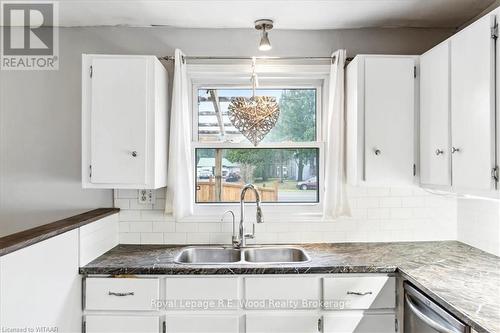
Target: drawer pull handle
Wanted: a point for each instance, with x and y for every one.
(111, 293)
(358, 293)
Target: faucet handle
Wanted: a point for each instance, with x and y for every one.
(252, 235)
(234, 239)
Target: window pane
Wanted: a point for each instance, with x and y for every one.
(296, 123)
(281, 175)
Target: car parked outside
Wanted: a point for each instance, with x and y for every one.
(309, 184)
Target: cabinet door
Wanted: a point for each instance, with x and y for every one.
(121, 324)
(472, 106)
(225, 291)
(435, 155)
(119, 104)
(359, 292)
(202, 323)
(282, 323)
(358, 322)
(258, 290)
(389, 112)
(121, 294)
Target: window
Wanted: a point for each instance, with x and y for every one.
(285, 166)
(297, 121)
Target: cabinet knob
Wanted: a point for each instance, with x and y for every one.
(439, 152)
(377, 151)
(134, 154)
(455, 150)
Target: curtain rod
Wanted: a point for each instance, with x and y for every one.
(250, 58)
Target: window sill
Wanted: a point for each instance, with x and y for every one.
(294, 216)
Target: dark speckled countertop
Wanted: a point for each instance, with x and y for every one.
(464, 280)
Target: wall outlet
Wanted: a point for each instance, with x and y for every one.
(146, 197)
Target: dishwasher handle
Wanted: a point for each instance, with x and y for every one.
(429, 321)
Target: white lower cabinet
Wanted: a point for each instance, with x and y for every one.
(121, 294)
(274, 294)
(206, 323)
(358, 322)
(282, 323)
(371, 292)
(315, 303)
(185, 292)
(122, 324)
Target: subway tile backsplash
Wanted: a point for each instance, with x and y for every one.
(378, 215)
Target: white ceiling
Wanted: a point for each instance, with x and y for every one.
(287, 14)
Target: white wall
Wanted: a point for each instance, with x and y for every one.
(40, 111)
(479, 224)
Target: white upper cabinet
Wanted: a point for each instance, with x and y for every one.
(380, 120)
(435, 154)
(473, 106)
(124, 122)
(457, 111)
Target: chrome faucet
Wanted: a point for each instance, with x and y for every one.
(239, 240)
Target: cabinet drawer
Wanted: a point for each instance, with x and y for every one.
(122, 324)
(223, 291)
(282, 323)
(369, 292)
(202, 323)
(120, 294)
(281, 293)
(342, 322)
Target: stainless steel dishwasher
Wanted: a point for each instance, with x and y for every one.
(422, 315)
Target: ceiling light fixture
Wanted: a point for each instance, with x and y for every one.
(265, 25)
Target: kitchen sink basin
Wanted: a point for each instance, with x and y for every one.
(253, 255)
(275, 255)
(208, 255)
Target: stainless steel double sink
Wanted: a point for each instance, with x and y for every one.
(251, 255)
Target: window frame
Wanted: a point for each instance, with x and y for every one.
(278, 77)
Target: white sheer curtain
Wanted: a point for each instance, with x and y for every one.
(180, 184)
(335, 202)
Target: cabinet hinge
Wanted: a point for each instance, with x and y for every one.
(494, 31)
(414, 71)
(164, 327)
(90, 171)
(84, 326)
(495, 174)
(414, 170)
(396, 324)
(91, 71)
(320, 324)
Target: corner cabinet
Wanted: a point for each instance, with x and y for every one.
(457, 111)
(380, 108)
(124, 122)
(473, 106)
